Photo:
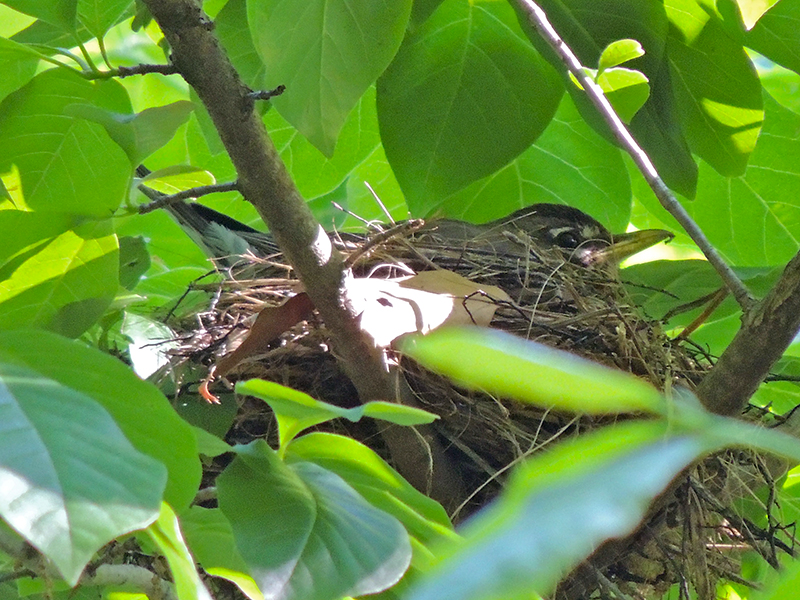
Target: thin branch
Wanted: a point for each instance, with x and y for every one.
(160, 200)
(144, 69)
(267, 94)
(538, 20)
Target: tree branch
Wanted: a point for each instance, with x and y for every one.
(766, 332)
(265, 182)
(159, 200)
(538, 20)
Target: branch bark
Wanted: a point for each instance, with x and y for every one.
(766, 332)
(264, 181)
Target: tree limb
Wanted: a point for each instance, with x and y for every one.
(264, 181)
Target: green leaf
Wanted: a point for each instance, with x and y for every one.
(557, 509)
(662, 287)
(18, 63)
(315, 174)
(618, 53)
(166, 534)
(626, 90)
(210, 537)
(229, 25)
(465, 95)
(376, 481)
(785, 587)
(49, 38)
(138, 408)
(296, 411)
(67, 164)
(327, 53)
(209, 444)
(776, 35)
(70, 480)
(507, 366)
(60, 13)
(752, 220)
(64, 282)
(291, 522)
(98, 16)
(569, 164)
(141, 134)
(716, 87)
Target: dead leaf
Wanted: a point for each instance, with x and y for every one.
(389, 308)
(271, 322)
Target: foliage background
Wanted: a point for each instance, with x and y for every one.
(445, 108)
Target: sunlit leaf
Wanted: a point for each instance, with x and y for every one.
(166, 534)
(510, 367)
(618, 53)
(67, 164)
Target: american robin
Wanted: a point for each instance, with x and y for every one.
(550, 229)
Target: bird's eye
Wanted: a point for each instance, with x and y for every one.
(567, 239)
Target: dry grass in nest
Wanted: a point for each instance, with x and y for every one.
(694, 541)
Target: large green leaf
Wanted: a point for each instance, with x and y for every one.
(229, 25)
(716, 87)
(211, 540)
(295, 523)
(70, 481)
(327, 53)
(502, 364)
(138, 408)
(18, 63)
(588, 31)
(465, 95)
(296, 411)
(62, 281)
(557, 509)
(568, 164)
(66, 164)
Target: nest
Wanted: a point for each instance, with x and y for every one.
(697, 539)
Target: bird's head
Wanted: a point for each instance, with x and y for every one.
(579, 237)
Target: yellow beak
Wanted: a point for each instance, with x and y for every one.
(624, 245)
